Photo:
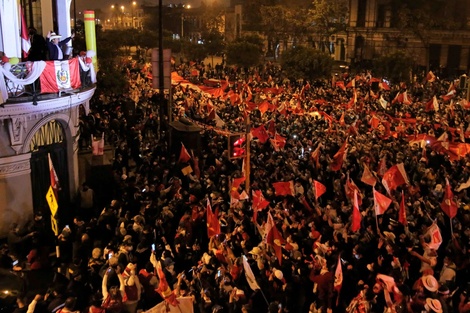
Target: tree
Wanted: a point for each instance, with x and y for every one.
(306, 63)
(395, 66)
(251, 55)
(328, 17)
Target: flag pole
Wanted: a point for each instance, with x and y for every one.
(248, 154)
(451, 227)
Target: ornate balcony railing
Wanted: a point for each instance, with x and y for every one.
(38, 79)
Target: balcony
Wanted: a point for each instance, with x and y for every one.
(33, 82)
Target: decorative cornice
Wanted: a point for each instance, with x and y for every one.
(45, 107)
(15, 166)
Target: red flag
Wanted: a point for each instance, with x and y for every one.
(351, 84)
(341, 120)
(184, 155)
(260, 133)
(394, 177)
(54, 180)
(163, 288)
(271, 128)
(356, 215)
(402, 212)
(284, 188)
(274, 238)
(367, 177)
(278, 142)
(235, 184)
(259, 203)
(25, 42)
(350, 188)
(320, 189)
(430, 77)
(384, 86)
(340, 84)
(60, 75)
(448, 204)
(338, 275)
(316, 155)
(338, 158)
(381, 203)
(213, 224)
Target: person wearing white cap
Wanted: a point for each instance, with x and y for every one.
(55, 45)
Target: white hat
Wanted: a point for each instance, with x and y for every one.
(433, 305)
(255, 251)
(278, 274)
(430, 283)
(54, 36)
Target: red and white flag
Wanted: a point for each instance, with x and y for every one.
(60, 75)
(320, 189)
(260, 133)
(402, 213)
(430, 77)
(54, 179)
(381, 203)
(448, 204)
(250, 277)
(259, 203)
(184, 155)
(435, 234)
(356, 215)
(25, 41)
(338, 276)
(394, 177)
(274, 238)
(212, 221)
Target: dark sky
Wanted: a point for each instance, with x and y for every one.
(105, 5)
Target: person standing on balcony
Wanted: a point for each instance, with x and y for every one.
(38, 49)
(55, 45)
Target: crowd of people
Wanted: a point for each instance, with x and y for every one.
(298, 249)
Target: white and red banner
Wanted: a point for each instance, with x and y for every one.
(60, 75)
(185, 304)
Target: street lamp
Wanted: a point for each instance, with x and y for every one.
(122, 16)
(187, 6)
(113, 15)
(133, 5)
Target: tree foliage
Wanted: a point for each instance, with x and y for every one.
(395, 66)
(328, 17)
(243, 53)
(306, 63)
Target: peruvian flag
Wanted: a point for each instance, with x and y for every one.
(432, 105)
(284, 188)
(356, 215)
(338, 276)
(383, 102)
(259, 203)
(448, 204)
(271, 128)
(367, 177)
(394, 177)
(25, 42)
(260, 133)
(351, 84)
(381, 202)
(59, 75)
(274, 238)
(338, 158)
(164, 289)
(340, 84)
(435, 234)
(235, 185)
(213, 224)
(430, 77)
(450, 93)
(320, 189)
(54, 179)
(384, 86)
(316, 155)
(350, 188)
(402, 213)
(184, 155)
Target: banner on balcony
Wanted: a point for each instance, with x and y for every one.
(60, 75)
